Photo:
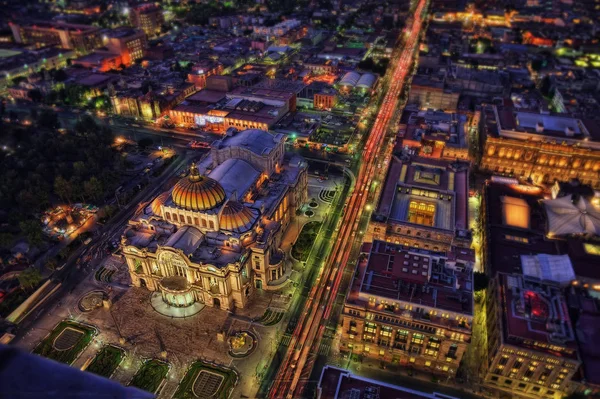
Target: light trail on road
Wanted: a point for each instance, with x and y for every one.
(309, 331)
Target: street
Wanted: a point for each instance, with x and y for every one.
(299, 359)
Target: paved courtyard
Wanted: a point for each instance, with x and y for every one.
(132, 323)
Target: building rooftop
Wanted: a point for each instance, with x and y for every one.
(121, 32)
(560, 127)
(442, 184)
(337, 383)
(395, 273)
(235, 176)
(535, 316)
(524, 232)
(257, 141)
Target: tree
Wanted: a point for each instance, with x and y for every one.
(63, 188)
(93, 188)
(32, 231)
(35, 95)
(145, 142)
(48, 119)
(60, 75)
(79, 168)
(51, 264)
(480, 281)
(29, 278)
(6, 240)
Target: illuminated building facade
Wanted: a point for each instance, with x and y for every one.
(128, 43)
(434, 134)
(201, 71)
(532, 349)
(423, 204)
(241, 109)
(215, 237)
(411, 307)
(151, 105)
(149, 18)
(429, 93)
(81, 38)
(542, 147)
(325, 99)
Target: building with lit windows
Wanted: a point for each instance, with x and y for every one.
(243, 108)
(427, 92)
(147, 17)
(80, 38)
(215, 237)
(326, 99)
(532, 348)
(202, 70)
(128, 43)
(423, 204)
(25, 63)
(542, 147)
(122, 47)
(411, 307)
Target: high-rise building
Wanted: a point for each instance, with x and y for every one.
(148, 17)
(128, 43)
(81, 38)
(411, 307)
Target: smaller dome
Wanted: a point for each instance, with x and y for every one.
(236, 217)
(158, 202)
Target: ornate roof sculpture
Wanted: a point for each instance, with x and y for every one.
(197, 192)
(566, 216)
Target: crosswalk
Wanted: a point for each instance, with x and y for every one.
(286, 339)
(324, 348)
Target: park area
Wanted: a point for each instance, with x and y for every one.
(65, 342)
(305, 240)
(106, 361)
(205, 380)
(151, 376)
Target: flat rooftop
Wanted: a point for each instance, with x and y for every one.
(552, 126)
(338, 383)
(442, 184)
(395, 272)
(535, 316)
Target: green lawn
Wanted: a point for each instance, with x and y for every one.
(150, 376)
(305, 240)
(46, 347)
(106, 361)
(186, 387)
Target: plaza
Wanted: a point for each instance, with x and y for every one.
(124, 320)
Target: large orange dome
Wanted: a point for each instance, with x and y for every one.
(236, 217)
(197, 192)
